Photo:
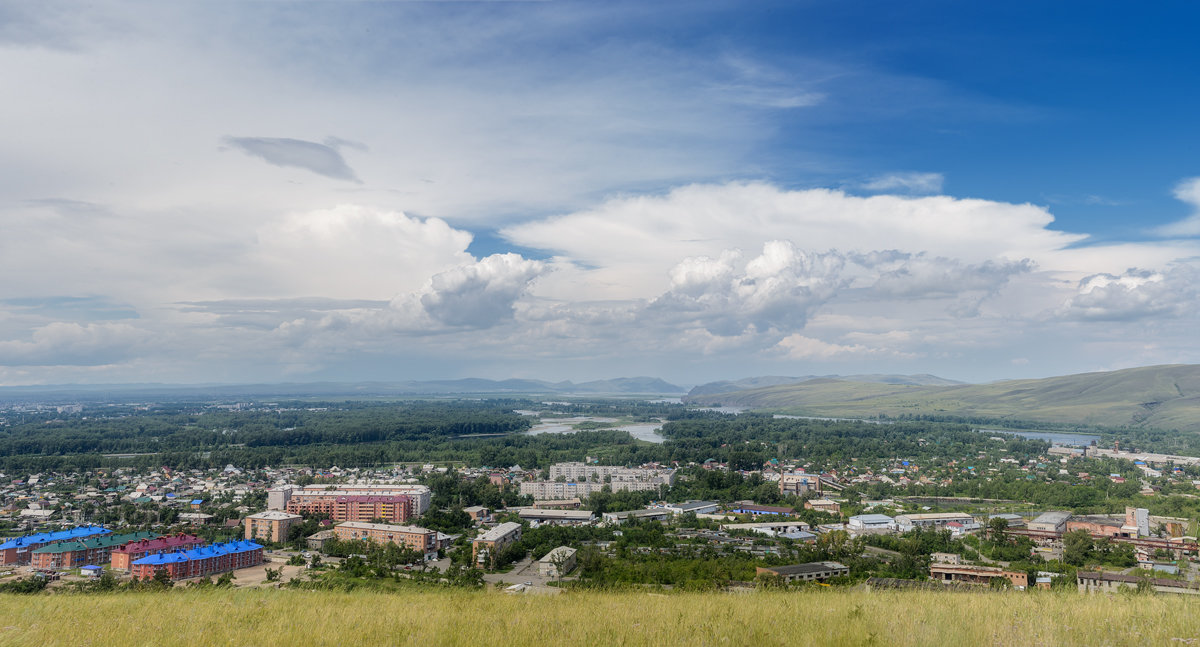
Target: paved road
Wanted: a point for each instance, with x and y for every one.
(523, 571)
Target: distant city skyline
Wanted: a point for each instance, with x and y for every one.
(293, 192)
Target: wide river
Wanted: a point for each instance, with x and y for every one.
(1053, 437)
(647, 431)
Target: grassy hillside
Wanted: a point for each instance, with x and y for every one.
(1166, 397)
(822, 617)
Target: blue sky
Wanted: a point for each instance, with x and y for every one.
(247, 192)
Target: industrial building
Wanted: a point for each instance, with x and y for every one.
(1054, 521)
(810, 572)
(649, 514)
(1091, 582)
(907, 522)
(966, 574)
(557, 517)
(868, 524)
(798, 483)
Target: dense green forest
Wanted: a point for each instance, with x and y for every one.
(479, 433)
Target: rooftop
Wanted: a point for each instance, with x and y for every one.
(382, 527)
(802, 569)
(274, 515)
(499, 531)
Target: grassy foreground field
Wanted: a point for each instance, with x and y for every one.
(825, 617)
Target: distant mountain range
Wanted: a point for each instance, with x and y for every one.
(126, 392)
(729, 386)
(1160, 397)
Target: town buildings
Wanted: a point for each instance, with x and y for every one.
(695, 507)
(557, 562)
(485, 547)
(19, 551)
(94, 550)
(271, 525)
(611, 473)
(581, 480)
(322, 498)
(650, 514)
(419, 539)
(823, 505)
(341, 506)
(122, 557)
(199, 562)
(781, 528)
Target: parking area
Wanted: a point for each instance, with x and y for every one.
(524, 572)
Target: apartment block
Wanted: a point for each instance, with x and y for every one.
(420, 494)
(94, 550)
(122, 558)
(199, 562)
(418, 539)
(485, 547)
(272, 525)
(19, 551)
(342, 506)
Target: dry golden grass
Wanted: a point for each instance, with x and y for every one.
(825, 617)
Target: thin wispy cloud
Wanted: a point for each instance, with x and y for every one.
(909, 182)
(322, 159)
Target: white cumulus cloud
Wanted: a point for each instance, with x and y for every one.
(1187, 191)
(481, 294)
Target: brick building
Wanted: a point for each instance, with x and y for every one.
(399, 508)
(94, 550)
(420, 494)
(272, 525)
(418, 539)
(967, 574)
(19, 551)
(485, 547)
(798, 483)
(124, 556)
(199, 562)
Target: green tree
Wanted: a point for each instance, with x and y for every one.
(1077, 547)
(997, 526)
(163, 579)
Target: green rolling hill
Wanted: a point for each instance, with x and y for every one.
(1161, 397)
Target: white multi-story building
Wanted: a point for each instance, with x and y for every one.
(543, 490)
(277, 498)
(613, 473)
(571, 480)
(420, 494)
